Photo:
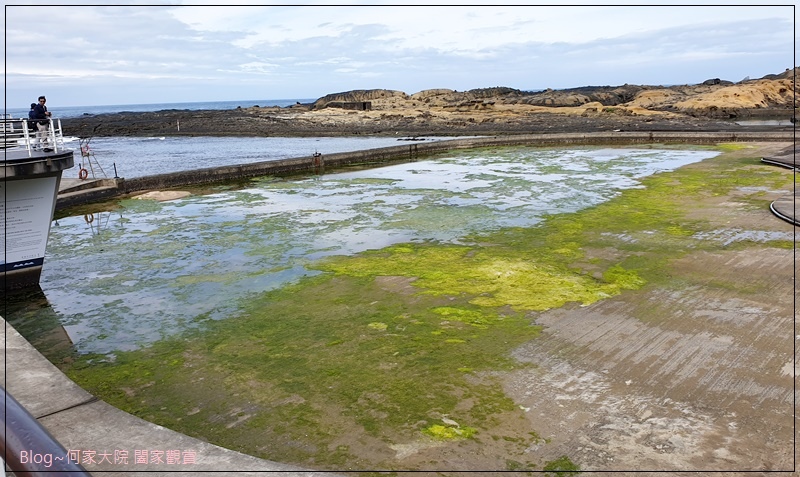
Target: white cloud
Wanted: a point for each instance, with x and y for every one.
(460, 28)
(189, 53)
(256, 67)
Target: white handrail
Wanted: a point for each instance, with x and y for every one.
(17, 135)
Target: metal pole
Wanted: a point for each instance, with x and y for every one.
(28, 449)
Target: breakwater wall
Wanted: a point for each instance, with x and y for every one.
(410, 151)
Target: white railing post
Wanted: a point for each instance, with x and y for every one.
(27, 136)
(51, 134)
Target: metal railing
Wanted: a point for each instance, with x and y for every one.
(18, 134)
(28, 449)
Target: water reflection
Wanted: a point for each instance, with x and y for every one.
(98, 222)
(122, 279)
(32, 315)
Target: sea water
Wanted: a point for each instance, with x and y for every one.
(65, 112)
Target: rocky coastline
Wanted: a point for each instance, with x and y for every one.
(713, 105)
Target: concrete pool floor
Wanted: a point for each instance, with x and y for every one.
(100, 433)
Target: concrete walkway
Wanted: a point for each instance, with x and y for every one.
(72, 191)
(786, 207)
(107, 439)
(69, 184)
(786, 158)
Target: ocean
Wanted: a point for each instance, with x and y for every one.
(77, 111)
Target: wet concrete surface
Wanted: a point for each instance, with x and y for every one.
(107, 440)
(695, 378)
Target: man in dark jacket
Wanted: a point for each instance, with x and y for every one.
(41, 113)
(31, 116)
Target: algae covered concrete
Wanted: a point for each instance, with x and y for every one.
(104, 439)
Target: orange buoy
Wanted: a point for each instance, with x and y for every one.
(83, 174)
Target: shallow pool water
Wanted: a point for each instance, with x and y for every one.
(118, 280)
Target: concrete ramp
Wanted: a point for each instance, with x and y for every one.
(76, 191)
(786, 208)
(786, 158)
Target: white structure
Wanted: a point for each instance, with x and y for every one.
(29, 184)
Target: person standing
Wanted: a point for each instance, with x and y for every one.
(31, 119)
(41, 113)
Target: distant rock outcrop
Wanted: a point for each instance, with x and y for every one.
(789, 73)
(740, 100)
(713, 98)
(357, 96)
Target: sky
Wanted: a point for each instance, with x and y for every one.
(87, 53)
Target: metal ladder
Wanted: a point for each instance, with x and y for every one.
(91, 162)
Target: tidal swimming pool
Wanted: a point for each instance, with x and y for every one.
(122, 279)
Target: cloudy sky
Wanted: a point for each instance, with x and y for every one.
(85, 53)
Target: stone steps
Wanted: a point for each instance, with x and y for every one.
(76, 191)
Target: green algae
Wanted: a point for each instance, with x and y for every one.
(489, 280)
(445, 433)
(477, 318)
(731, 146)
(561, 466)
(338, 353)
